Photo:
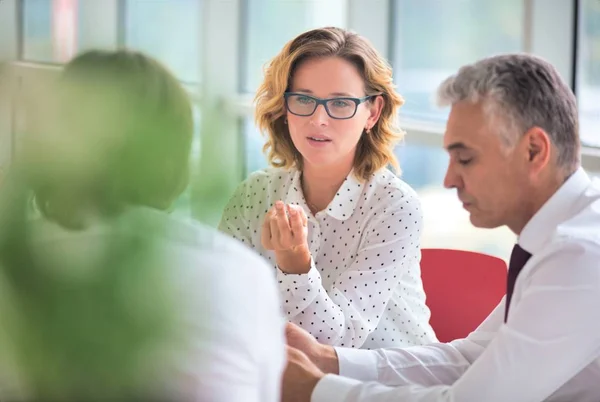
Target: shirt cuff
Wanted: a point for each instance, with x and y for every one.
(310, 278)
(358, 364)
(333, 388)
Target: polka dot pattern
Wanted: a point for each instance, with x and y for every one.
(364, 287)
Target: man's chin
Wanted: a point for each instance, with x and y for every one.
(482, 223)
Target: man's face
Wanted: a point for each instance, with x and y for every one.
(489, 178)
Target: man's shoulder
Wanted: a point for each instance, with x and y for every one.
(584, 225)
(184, 240)
(208, 242)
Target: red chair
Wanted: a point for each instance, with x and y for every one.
(462, 289)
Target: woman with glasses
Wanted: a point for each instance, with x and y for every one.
(342, 230)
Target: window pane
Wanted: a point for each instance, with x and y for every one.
(255, 159)
(272, 23)
(55, 30)
(182, 206)
(168, 30)
(49, 30)
(433, 38)
(588, 72)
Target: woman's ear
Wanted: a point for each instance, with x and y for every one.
(376, 105)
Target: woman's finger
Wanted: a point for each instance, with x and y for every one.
(265, 234)
(299, 227)
(283, 226)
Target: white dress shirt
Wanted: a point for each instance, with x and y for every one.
(364, 287)
(231, 344)
(549, 349)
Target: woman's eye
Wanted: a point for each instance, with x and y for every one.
(340, 103)
(304, 100)
(465, 161)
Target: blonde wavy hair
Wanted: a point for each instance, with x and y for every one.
(375, 149)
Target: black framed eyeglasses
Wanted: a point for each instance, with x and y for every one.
(337, 108)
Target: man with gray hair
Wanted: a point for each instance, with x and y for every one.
(513, 141)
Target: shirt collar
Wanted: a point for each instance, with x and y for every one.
(556, 210)
(343, 204)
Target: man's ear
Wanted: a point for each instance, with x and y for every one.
(537, 148)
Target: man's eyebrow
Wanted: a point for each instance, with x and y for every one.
(456, 146)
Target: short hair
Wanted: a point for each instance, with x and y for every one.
(520, 91)
(128, 121)
(374, 150)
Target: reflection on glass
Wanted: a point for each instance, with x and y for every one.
(433, 38)
(168, 30)
(588, 72)
(272, 23)
(49, 30)
(54, 31)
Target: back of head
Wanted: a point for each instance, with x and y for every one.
(520, 91)
(120, 135)
(373, 151)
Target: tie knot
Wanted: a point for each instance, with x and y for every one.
(518, 257)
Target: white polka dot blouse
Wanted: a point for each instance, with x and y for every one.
(364, 287)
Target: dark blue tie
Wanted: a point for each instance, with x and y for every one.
(518, 259)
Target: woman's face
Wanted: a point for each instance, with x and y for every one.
(323, 141)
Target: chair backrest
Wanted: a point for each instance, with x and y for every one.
(462, 289)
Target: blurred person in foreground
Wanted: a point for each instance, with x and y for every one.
(514, 147)
(106, 296)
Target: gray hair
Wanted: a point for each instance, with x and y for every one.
(520, 91)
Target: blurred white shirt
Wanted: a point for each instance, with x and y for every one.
(364, 287)
(549, 349)
(232, 345)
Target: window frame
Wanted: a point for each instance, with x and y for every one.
(222, 62)
(9, 29)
